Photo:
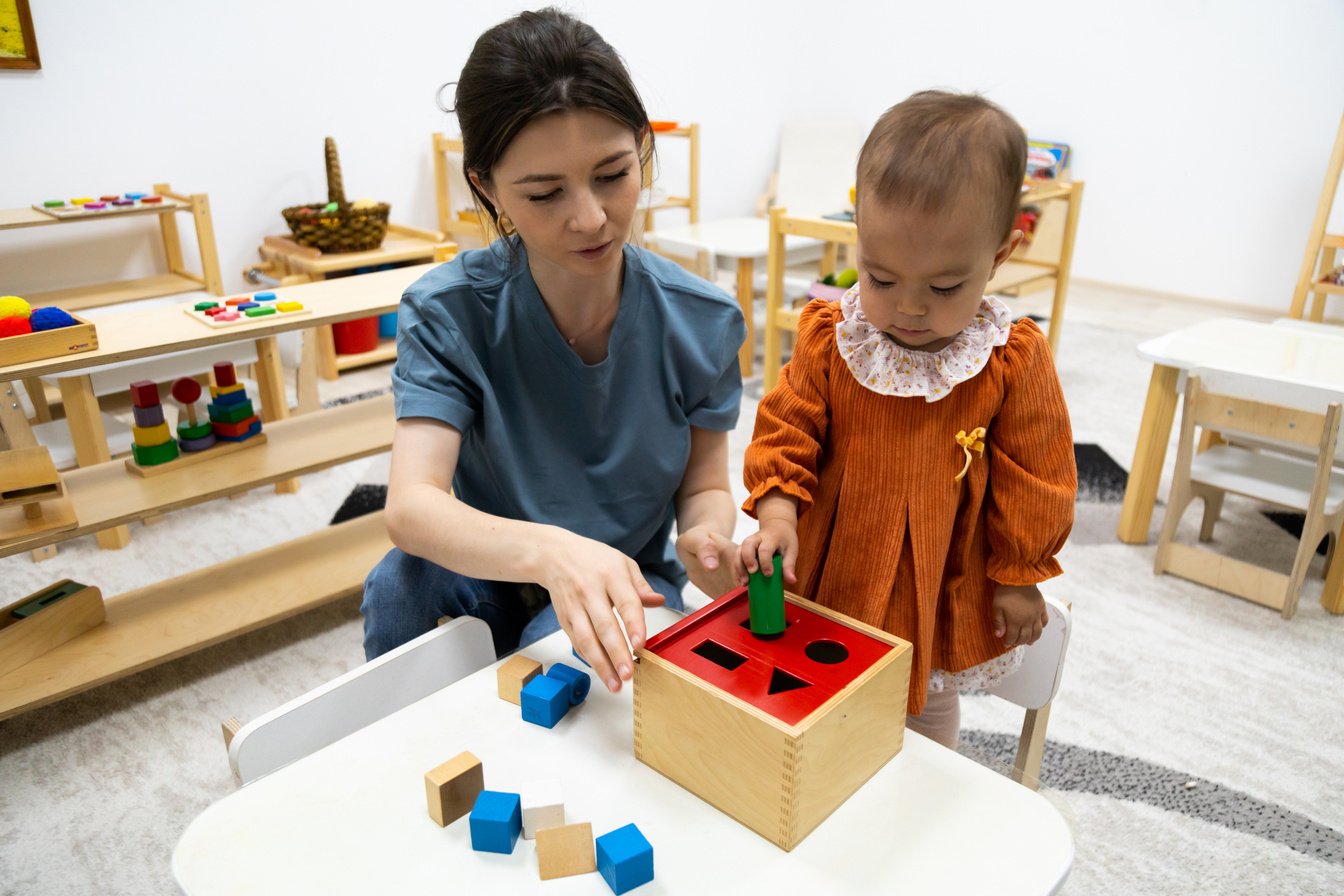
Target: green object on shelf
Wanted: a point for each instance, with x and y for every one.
(230, 413)
(46, 599)
(201, 306)
(186, 431)
(151, 455)
(765, 600)
(260, 311)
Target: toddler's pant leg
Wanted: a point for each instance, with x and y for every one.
(941, 719)
(405, 596)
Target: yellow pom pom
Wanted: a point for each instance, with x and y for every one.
(364, 203)
(13, 306)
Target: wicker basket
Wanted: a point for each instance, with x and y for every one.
(346, 229)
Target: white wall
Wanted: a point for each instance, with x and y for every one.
(1202, 128)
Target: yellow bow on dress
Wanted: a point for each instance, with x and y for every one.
(970, 442)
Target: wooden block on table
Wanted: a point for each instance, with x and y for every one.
(565, 851)
(25, 638)
(513, 674)
(451, 789)
(543, 806)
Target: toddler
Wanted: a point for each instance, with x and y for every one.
(914, 465)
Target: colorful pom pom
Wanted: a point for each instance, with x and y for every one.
(50, 319)
(14, 326)
(13, 306)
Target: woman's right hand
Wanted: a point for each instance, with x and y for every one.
(590, 585)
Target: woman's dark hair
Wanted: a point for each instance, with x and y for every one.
(532, 64)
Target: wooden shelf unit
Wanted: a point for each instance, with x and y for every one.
(178, 279)
(1323, 248)
(169, 619)
(1020, 270)
(691, 201)
(293, 264)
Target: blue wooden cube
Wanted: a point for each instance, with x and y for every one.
(576, 683)
(545, 701)
(496, 821)
(624, 859)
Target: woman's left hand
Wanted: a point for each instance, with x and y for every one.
(713, 561)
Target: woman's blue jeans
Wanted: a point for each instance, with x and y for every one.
(405, 596)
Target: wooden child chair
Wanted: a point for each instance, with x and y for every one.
(1265, 425)
(459, 218)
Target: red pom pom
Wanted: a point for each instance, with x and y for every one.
(14, 326)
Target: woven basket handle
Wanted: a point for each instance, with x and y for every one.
(335, 186)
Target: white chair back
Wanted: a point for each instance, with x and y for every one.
(1034, 684)
(361, 696)
(817, 161)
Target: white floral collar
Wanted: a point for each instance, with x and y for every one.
(883, 366)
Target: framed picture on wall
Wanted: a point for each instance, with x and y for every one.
(18, 42)
(1046, 160)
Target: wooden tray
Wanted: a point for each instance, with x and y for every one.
(82, 337)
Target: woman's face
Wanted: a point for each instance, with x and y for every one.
(570, 183)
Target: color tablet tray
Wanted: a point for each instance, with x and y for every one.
(242, 319)
(80, 211)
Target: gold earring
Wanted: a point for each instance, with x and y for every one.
(505, 225)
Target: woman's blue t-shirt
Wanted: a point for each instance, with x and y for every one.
(597, 449)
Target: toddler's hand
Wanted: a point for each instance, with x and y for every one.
(776, 536)
(1019, 614)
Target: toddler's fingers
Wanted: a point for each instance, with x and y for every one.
(1000, 629)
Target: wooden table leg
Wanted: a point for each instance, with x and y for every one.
(326, 354)
(271, 390)
(90, 441)
(18, 434)
(1332, 596)
(746, 296)
(306, 376)
(1149, 452)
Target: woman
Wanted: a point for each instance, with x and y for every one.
(561, 396)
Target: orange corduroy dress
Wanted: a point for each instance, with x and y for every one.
(887, 534)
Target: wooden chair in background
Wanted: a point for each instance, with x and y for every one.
(457, 217)
(1254, 417)
(1322, 247)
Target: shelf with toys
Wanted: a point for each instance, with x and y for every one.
(171, 618)
(165, 205)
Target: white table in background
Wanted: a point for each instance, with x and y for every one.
(1290, 351)
(744, 240)
(351, 818)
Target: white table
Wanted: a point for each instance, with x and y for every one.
(351, 818)
(1284, 350)
(744, 240)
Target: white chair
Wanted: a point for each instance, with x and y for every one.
(1033, 687)
(1266, 426)
(360, 697)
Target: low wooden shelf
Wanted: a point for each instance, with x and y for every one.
(107, 495)
(164, 621)
(169, 619)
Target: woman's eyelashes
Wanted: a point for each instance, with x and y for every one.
(601, 179)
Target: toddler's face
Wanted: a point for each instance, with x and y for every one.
(922, 274)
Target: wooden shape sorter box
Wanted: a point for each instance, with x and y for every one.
(777, 733)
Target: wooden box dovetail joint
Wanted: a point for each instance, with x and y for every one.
(26, 639)
(81, 337)
(775, 733)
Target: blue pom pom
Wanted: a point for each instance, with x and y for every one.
(50, 319)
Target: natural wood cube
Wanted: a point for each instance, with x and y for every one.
(565, 851)
(451, 789)
(543, 807)
(778, 732)
(514, 673)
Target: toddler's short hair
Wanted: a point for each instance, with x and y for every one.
(933, 146)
